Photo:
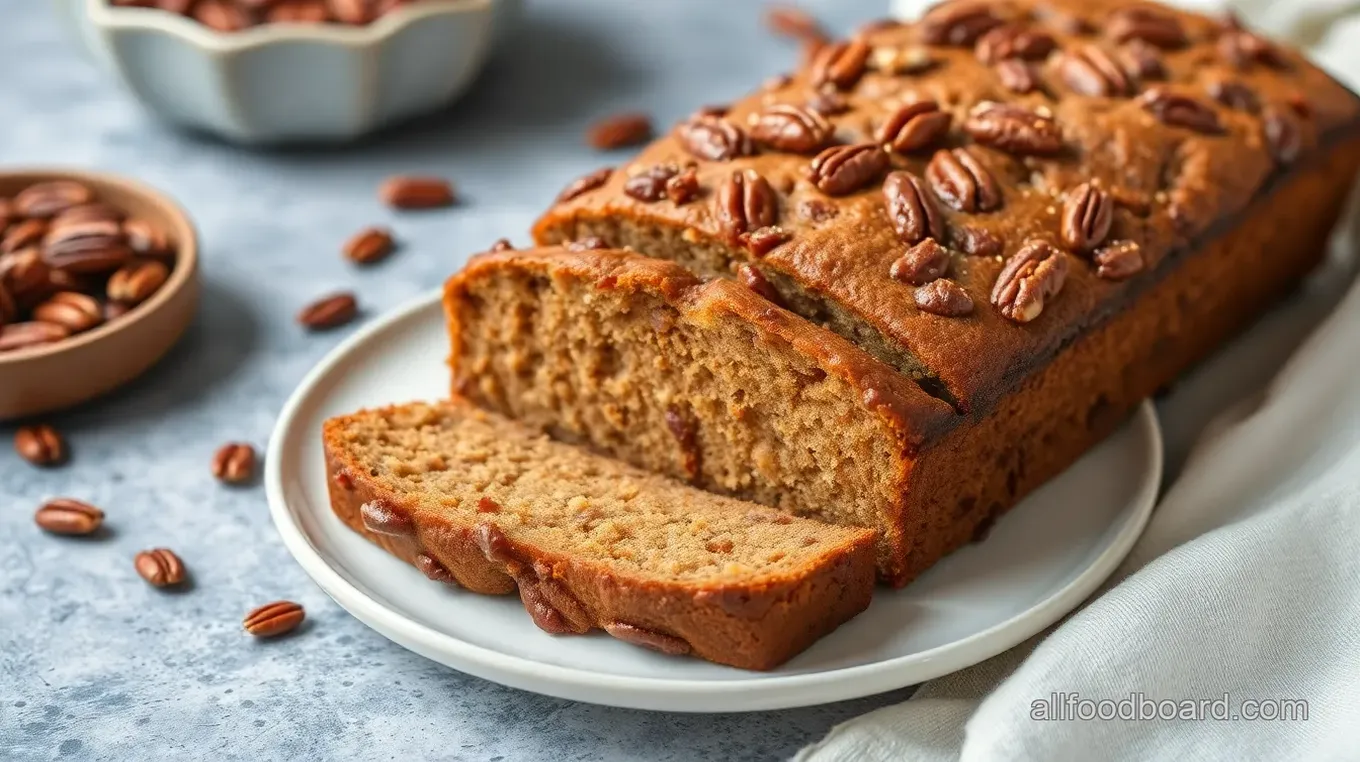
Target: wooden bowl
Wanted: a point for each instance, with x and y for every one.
(50, 377)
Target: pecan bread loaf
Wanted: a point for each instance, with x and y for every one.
(1040, 212)
(477, 501)
(706, 382)
(967, 195)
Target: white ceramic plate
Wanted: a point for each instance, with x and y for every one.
(1039, 562)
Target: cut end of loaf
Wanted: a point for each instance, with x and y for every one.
(713, 258)
(711, 384)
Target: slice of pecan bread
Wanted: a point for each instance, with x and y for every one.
(475, 500)
(711, 383)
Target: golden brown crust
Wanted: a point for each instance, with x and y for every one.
(758, 624)
(1174, 170)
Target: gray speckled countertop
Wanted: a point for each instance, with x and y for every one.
(95, 664)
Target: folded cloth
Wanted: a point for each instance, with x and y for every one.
(1243, 595)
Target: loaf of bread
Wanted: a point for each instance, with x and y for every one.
(706, 382)
(967, 196)
(486, 504)
(1039, 212)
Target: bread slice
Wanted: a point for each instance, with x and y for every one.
(475, 500)
(706, 382)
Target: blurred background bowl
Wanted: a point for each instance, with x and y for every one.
(291, 83)
(53, 376)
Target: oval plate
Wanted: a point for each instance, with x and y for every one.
(1039, 562)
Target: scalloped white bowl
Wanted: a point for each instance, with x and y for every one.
(293, 82)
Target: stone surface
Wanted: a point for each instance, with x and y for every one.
(94, 663)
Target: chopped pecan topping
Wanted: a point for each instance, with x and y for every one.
(1151, 25)
(891, 59)
(745, 202)
(684, 187)
(764, 240)
(1135, 201)
(962, 182)
(828, 103)
(1063, 21)
(914, 126)
(921, 264)
(911, 209)
(1142, 61)
(1017, 76)
(1235, 95)
(1014, 41)
(1089, 70)
(1118, 260)
(960, 22)
(786, 127)
(975, 242)
(841, 170)
(1014, 128)
(943, 297)
(1181, 111)
(1241, 49)
(1033, 275)
(1087, 216)
(840, 64)
(649, 185)
(713, 138)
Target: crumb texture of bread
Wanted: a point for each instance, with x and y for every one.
(590, 542)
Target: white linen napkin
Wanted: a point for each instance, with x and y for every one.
(1243, 593)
